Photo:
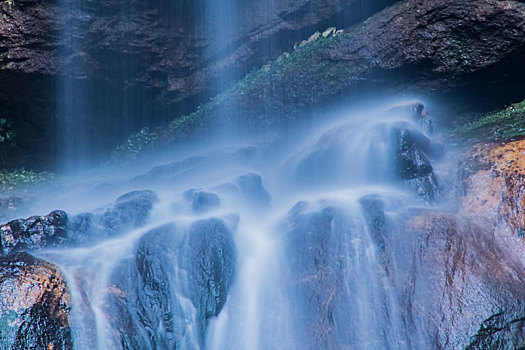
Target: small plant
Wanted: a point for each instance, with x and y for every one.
(19, 178)
(135, 144)
(6, 131)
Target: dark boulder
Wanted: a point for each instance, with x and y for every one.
(211, 262)
(252, 189)
(179, 271)
(202, 201)
(395, 150)
(411, 149)
(133, 208)
(34, 305)
(34, 233)
(130, 211)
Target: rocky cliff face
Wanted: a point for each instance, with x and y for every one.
(142, 62)
(449, 50)
(491, 182)
(138, 62)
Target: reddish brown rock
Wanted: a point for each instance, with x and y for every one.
(493, 185)
(34, 305)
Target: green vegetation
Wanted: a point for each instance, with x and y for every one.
(184, 125)
(498, 125)
(135, 144)
(21, 178)
(7, 134)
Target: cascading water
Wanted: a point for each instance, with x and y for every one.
(257, 246)
(98, 102)
(74, 127)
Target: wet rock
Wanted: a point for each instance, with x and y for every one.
(191, 167)
(411, 163)
(462, 277)
(373, 209)
(202, 201)
(34, 305)
(183, 274)
(212, 258)
(34, 233)
(492, 176)
(457, 280)
(416, 112)
(133, 208)
(252, 189)
(130, 210)
(504, 330)
(317, 243)
(382, 152)
(81, 228)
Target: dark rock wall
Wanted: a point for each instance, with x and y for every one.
(137, 62)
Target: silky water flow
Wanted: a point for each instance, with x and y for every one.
(283, 243)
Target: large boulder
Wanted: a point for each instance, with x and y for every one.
(386, 148)
(34, 305)
(177, 281)
(461, 279)
(358, 276)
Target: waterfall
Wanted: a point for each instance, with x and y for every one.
(256, 245)
(99, 104)
(287, 241)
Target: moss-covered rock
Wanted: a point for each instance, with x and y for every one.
(498, 125)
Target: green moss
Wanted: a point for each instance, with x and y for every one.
(135, 144)
(185, 125)
(20, 178)
(498, 125)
